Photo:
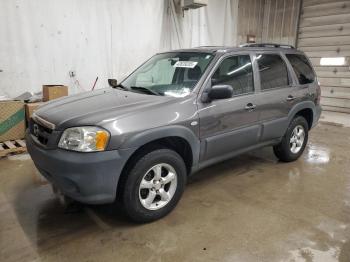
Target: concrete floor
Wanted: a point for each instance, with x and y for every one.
(335, 118)
(250, 208)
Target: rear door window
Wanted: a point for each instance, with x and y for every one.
(273, 71)
(302, 68)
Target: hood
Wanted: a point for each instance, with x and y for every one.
(91, 108)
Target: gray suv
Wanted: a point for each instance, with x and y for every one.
(177, 113)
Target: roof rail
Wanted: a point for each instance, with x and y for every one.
(209, 46)
(267, 45)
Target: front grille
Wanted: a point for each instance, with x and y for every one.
(39, 131)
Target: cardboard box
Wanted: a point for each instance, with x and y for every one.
(12, 124)
(30, 108)
(51, 92)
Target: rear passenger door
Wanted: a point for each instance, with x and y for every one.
(275, 98)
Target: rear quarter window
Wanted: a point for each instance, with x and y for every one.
(302, 68)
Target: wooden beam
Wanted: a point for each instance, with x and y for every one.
(324, 41)
(9, 144)
(336, 109)
(307, 3)
(332, 73)
(328, 53)
(325, 30)
(326, 48)
(339, 92)
(21, 143)
(325, 20)
(336, 102)
(332, 81)
(325, 9)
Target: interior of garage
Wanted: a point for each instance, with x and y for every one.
(249, 208)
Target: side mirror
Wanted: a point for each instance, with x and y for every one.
(113, 82)
(220, 92)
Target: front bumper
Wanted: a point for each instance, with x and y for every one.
(86, 177)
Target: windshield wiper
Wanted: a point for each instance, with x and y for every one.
(145, 90)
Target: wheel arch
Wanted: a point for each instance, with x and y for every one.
(305, 109)
(178, 138)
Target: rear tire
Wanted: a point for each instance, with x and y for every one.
(294, 141)
(154, 185)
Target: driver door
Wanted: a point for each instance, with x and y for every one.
(230, 125)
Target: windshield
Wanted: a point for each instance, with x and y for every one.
(170, 74)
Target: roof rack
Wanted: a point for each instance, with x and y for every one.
(209, 46)
(267, 45)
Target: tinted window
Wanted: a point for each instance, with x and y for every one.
(302, 68)
(237, 72)
(273, 71)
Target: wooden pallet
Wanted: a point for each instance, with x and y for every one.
(13, 146)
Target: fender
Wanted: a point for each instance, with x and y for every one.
(300, 106)
(147, 136)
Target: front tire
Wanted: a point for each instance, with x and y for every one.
(154, 185)
(294, 141)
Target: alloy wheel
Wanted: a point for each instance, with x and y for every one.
(158, 186)
(297, 139)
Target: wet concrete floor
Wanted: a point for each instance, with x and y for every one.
(251, 208)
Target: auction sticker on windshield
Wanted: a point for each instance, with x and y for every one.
(187, 64)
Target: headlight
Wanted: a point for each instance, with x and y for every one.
(84, 139)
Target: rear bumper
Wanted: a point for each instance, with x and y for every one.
(317, 115)
(86, 177)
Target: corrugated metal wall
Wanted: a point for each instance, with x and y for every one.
(274, 21)
(324, 31)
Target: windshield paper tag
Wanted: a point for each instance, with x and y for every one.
(187, 64)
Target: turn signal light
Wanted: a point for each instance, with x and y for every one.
(101, 140)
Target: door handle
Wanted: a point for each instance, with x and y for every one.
(250, 106)
(291, 98)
